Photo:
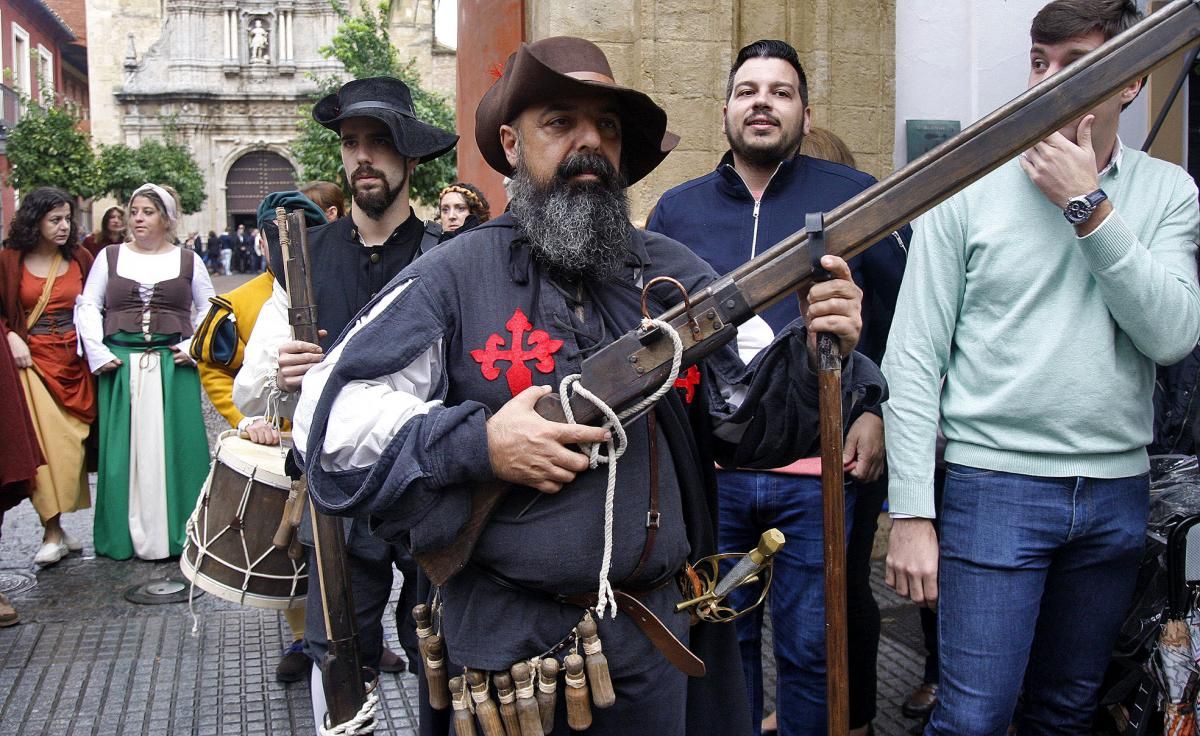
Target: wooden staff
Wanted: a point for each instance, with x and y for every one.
(345, 690)
(636, 364)
(833, 499)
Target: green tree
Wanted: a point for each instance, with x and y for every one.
(124, 169)
(47, 149)
(361, 43)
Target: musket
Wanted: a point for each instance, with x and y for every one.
(345, 689)
(638, 362)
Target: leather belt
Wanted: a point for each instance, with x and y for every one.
(653, 628)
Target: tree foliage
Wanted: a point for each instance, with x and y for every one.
(47, 149)
(124, 169)
(361, 43)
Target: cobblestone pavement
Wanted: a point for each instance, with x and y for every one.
(86, 662)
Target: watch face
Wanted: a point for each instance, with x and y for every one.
(1078, 211)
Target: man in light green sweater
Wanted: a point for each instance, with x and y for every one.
(1034, 308)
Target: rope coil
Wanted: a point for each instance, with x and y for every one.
(362, 723)
(616, 446)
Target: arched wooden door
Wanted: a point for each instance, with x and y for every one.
(252, 177)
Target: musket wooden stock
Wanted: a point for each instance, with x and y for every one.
(345, 691)
(636, 364)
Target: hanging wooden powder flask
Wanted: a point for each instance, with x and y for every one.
(485, 708)
(435, 672)
(597, 664)
(527, 707)
(546, 692)
(579, 711)
(508, 703)
(464, 724)
(424, 623)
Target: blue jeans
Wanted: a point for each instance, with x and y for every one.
(1036, 575)
(751, 503)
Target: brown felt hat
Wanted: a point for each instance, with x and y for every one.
(564, 66)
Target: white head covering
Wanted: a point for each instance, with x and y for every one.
(167, 200)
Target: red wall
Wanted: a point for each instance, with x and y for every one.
(492, 30)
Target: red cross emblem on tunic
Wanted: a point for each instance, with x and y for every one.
(541, 349)
(688, 382)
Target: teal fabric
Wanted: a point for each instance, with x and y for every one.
(1047, 341)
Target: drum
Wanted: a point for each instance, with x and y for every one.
(229, 550)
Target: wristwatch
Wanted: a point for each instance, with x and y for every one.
(1079, 209)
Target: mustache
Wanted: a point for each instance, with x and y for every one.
(364, 170)
(587, 163)
(759, 114)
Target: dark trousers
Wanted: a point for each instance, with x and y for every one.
(371, 586)
(862, 611)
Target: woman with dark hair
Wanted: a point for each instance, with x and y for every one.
(461, 206)
(42, 271)
(137, 314)
(111, 230)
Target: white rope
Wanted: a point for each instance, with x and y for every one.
(616, 445)
(362, 723)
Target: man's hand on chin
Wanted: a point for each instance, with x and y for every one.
(912, 561)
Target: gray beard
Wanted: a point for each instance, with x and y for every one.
(574, 231)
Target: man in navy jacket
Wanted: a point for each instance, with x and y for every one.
(759, 194)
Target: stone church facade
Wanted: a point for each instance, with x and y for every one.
(227, 79)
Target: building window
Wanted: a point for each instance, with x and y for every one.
(445, 23)
(45, 75)
(22, 80)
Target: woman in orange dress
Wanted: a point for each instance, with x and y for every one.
(42, 271)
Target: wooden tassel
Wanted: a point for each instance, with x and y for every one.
(508, 703)
(579, 711)
(485, 708)
(464, 724)
(546, 692)
(424, 623)
(435, 672)
(527, 707)
(597, 665)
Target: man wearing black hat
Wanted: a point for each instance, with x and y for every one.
(433, 389)
(351, 259)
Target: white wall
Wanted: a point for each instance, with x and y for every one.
(961, 59)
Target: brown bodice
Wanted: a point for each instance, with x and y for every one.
(169, 310)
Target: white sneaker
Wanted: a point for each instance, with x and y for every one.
(72, 543)
(50, 553)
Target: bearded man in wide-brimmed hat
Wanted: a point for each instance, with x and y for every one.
(432, 391)
(351, 260)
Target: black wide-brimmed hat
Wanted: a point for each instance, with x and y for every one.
(388, 100)
(564, 66)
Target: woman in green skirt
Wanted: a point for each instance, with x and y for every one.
(140, 306)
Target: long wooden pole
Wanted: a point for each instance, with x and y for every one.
(345, 690)
(833, 498)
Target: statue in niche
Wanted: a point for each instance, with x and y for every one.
(259, 41)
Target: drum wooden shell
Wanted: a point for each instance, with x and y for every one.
(228, 551)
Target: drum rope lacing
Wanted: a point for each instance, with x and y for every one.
(363, 722)
(202, 543)
(616, 445)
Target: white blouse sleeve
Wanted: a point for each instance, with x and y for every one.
(260, 358)
(367, 413)
(89, 315)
